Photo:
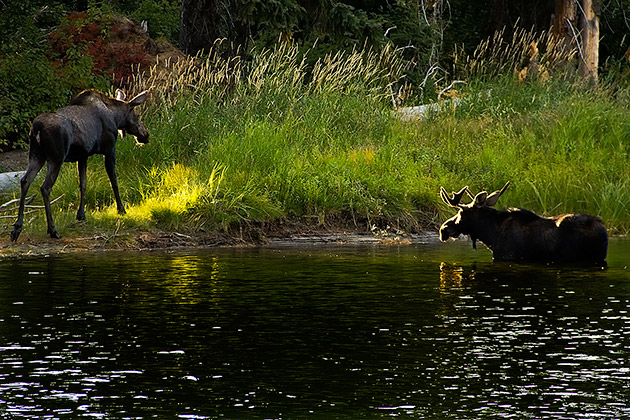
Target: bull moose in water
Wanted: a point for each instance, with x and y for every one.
(521, 235)
(88, 126)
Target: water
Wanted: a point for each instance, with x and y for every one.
(430, 330)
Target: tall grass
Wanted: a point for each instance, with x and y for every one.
(565, 150)
(234, 142)
(505, 54)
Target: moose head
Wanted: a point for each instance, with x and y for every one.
(470, 216)
(131, 122)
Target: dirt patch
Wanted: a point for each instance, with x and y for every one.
(15, 160)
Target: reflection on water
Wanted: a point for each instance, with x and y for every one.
(551, 343)
(431, 330)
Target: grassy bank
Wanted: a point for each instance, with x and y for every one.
(233, 143)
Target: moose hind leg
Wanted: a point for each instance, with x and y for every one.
(46, 189)
(34, 165)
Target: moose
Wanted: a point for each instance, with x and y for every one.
(517, 234)
(88, 126)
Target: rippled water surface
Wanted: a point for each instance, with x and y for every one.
(430, 330)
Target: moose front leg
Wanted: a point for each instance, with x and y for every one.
(82, 165)
(110, 167)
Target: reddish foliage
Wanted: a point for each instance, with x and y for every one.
(103, 42)
(122, 58)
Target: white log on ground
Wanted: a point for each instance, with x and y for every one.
(10, 181)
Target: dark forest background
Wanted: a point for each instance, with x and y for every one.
(52, 49)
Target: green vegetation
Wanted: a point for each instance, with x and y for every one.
(47, 57)
(235, 142)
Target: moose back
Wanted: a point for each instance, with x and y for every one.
(521, 235)
(88, 126)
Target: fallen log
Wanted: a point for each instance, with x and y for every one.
(10, 180)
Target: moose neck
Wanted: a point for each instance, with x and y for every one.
(119, 117)
(487, 226)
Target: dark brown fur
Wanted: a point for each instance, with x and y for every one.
(88, 126)
(521, 235)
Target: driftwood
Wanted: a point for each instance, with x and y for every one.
(4, 208)
(414, 113)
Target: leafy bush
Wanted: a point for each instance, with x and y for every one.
(29, 84)
(90, 49)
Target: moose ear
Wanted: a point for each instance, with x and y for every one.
(444, 196)
(480, 199)
(120, 95)
(139, 99)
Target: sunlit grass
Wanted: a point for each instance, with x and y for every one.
(167, 196)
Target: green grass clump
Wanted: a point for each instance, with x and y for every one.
(563, 148)
(234, 142)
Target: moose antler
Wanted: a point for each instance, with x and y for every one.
(483, 199)
(494, 197)
(457, 196)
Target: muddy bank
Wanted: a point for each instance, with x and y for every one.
(146, 241)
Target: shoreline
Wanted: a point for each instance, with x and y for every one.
(37, 245)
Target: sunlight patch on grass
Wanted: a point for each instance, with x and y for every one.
(170, 193)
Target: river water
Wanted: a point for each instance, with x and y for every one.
(428, 330)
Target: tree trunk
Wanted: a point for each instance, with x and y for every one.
(589, 28)
(564, 23)
(576, 23)
(500, 15)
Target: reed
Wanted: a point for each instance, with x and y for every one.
(178, 80)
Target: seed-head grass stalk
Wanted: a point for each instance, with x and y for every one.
(373, 72)
(279, 70)
(505, 54)
(180, 81)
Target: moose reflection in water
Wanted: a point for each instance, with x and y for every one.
(88, 126)
(521, 235)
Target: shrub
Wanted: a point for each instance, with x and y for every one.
(89, 50)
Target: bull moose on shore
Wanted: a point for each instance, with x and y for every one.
(521, 235)
(88, 126)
